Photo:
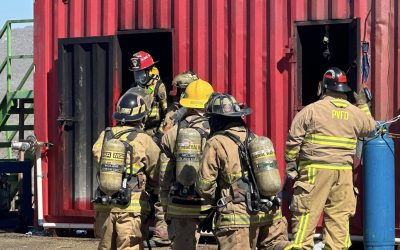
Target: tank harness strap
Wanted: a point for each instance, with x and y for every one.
(132, 135)
(241, 187)
(178, 115)
(157, 88)
(129, 130)
(109, 134)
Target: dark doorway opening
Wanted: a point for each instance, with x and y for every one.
(344, 52)
(158, 43)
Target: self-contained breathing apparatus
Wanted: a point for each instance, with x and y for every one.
(188, 151)
(260, 180)
(115, 171)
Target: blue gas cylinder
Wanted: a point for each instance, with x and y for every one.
(379, 191)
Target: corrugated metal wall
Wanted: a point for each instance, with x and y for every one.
(245, 47)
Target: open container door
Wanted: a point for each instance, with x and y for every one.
(86, 94)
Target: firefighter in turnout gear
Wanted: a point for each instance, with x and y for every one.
(182, 146)
(121, 216)
(175, 111)
(247, 215)
(322, 139)
(147, 76)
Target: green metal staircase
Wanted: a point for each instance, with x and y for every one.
(14, 99)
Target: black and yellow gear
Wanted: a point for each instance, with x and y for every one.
(130, 107)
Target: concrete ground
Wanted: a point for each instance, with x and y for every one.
(10, 240)
(34, 242)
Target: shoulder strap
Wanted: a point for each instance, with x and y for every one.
(204, 134)
(133, 132)
(109, 134)
(242, 146)
(156, 89)
(178, 115)
(234, 138)
(183, 124)
(132, 135)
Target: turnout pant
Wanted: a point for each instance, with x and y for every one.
(185, 233)
(323, 190)
(119, 230)
(270, 237)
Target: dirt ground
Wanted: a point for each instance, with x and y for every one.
(33, 242)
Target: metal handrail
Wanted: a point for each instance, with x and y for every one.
(6, 64)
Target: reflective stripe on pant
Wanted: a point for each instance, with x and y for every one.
(325, 190)
(185, 233)
(119, 230)
(271, 237)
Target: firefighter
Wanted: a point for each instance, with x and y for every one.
(121, 216)
(175, 111)
(245, 219)
(322, 139)
(182, 146)
(147, 76)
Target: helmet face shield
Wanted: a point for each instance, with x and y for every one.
(141, 77)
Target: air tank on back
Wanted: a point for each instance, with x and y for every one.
(188, 156)
(112, 163)
(266, 171)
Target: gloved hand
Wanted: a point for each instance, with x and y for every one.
(291, 170)
(361, 98)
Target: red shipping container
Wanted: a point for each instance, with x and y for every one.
(266, 53)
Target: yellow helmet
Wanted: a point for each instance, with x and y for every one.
(197, 94)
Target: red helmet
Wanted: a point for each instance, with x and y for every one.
(141, 60)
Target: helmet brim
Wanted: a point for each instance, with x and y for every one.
(190, 103)
(128, 118)
(339, 88)
(242, 112)
(130, 68)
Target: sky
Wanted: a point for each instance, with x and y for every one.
(15, 9)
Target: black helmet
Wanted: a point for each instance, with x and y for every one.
(130, 107)
(335, 79)
(225, 105)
